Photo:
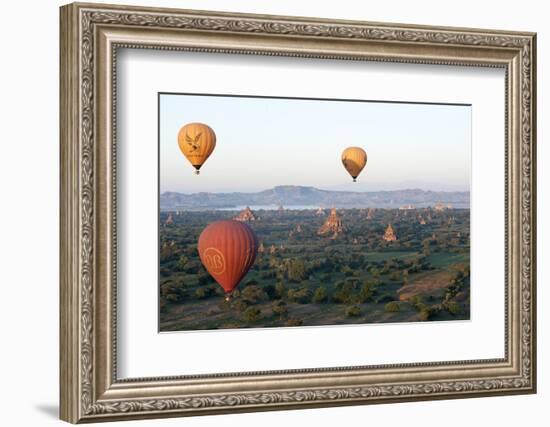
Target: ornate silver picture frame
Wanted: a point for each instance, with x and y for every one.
(91, 36)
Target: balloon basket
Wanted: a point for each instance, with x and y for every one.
(354, 180)
(227, 298)
(197, 172)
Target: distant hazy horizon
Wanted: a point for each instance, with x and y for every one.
(310, 197)
(268, 142)
(467, 190)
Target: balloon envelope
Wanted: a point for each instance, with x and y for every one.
(227, 250)
(196, 142)
(354, 160)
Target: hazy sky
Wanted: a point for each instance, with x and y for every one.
(262, 143)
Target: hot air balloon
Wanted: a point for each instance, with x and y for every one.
(354, 160)
(227, 250)
(196, 142)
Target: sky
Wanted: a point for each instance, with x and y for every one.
(265, 142)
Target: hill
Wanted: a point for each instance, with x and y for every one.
(290, 195)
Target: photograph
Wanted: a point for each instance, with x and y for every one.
(287, 212)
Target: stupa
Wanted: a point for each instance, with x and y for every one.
(370, 213)
(246, 215)
(169, 220)
(440, 207)
(333, 224)
(389, 234)
(406, 207)
(297, 230)
(320, 212)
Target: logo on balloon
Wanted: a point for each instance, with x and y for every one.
(194, 143)
(214, 261)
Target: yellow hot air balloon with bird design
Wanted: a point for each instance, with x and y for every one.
(196, 142)
(354, 160)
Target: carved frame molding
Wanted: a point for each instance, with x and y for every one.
(90, 36)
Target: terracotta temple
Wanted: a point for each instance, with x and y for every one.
(246, 215)
(389, 234)
(333, 224)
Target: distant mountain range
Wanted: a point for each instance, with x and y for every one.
(291, 195)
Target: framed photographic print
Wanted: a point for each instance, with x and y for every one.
(323, 252)
(264, 212)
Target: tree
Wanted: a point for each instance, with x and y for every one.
(183, 260)
(353, 311)
(395, 275)
(204, 292)
(385, 298)
(452, 307)
(270, 291)
(280, 309)
(302, 295)
(391, 307)
(425, 311)
(167, 251)
(365, 293)
(373, 283)
(204, 278)
(253, 294)
(280, 290)
(170, 292)
(375, 272)
(192, 267)
(353, 282)
(326, 277)
(268, 274)
(426, 249)
(344, 293)
(296, 270)
(406, 277)
(240, 305)
(294, 321)
(320, 295)
(425, 314)
(348, 272)
(252, 314)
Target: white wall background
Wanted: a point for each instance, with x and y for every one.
(29, 170)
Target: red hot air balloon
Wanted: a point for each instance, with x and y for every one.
(227, 250)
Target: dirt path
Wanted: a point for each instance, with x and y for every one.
(428, 284)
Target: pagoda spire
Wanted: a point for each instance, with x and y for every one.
(389, 234)
(246, 215)
(333, 224)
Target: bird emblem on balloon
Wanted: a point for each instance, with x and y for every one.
(194, 143)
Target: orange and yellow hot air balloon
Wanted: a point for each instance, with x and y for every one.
(227, 250)
(196, 142)
(354, 160)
